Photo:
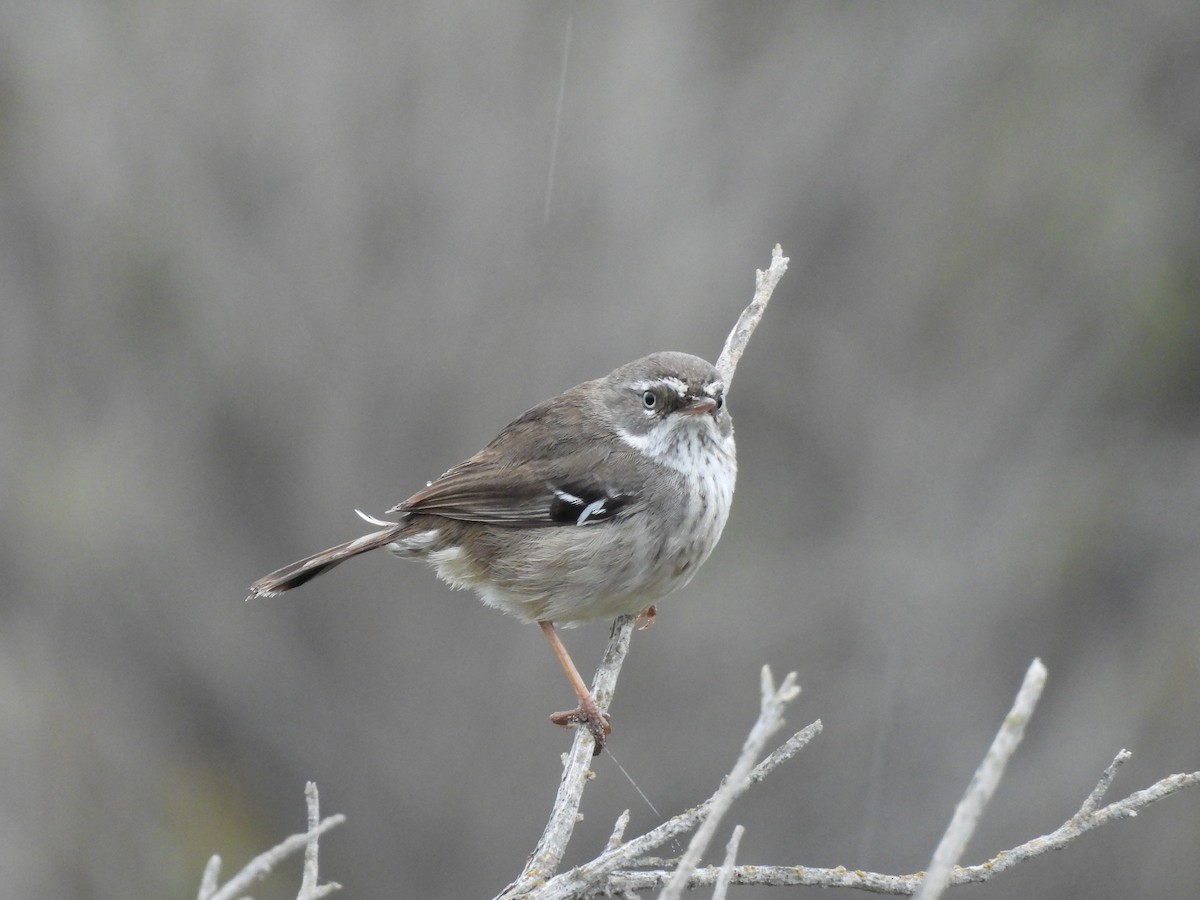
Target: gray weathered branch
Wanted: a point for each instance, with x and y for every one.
(1089, 816)
(764, 286)
(543, 862)
(966, 816)
(261, 866)
(770, 720)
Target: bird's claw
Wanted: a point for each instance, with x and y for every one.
(598, 723)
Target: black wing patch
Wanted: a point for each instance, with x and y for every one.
(580, 504)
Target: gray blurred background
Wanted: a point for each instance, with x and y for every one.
(263, 263)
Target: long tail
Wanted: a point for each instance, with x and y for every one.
(310, 567)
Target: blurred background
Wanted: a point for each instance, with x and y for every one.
(261, 264)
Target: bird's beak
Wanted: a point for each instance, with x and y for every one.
(698, 406)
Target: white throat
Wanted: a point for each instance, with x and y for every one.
(688, 447)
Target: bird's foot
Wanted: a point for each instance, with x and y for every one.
(645, 618)
(587, 713)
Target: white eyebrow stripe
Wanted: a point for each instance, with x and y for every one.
(714, 387)
(677, 385)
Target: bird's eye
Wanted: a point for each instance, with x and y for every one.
(720, 401)
(649, 399)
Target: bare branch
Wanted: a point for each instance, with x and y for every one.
(1101, 788)
(726, 875)
(770, 720)
(210, 880)
(786, 751)
(590, 878)
(983, 784)
(618, 832)
(595, 876)
(310, 884)
(1080, 823)
(544, 861)
(904, 885)
(261, 866)
(764, 286)
(1087, 818)
(773, 876)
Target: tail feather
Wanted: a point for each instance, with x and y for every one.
(297, 573)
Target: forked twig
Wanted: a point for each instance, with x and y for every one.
(261, 866)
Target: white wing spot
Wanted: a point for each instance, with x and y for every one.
(595, 508)
(566, 497)
(366, 517)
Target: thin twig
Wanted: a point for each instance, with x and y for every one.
(785, 751)
(309, 878)
(770, 720)
(1102, 786)
(261, 865)
(764, 286)
(310, 883)
(618, 832)
(210, 880)
(966, 816)
(731, 849)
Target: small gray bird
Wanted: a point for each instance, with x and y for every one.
(596, 503)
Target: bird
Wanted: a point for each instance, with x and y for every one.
(596, 503)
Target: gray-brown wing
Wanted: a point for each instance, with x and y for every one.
(542, 470)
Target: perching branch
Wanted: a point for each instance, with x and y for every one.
(595, 877)
(261, 866)
(544, 860)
